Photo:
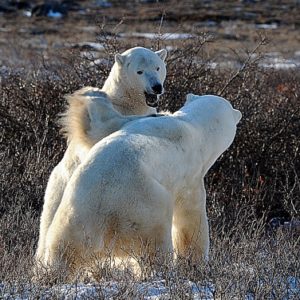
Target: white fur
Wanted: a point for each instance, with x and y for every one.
(90, 117)
(139, 182)
(126, 88)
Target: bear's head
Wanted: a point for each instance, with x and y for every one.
(144, 71)
(216, 118)
(220, 106)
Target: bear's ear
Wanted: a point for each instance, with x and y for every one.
(237, 115)
(162, 54)
(119, 59)
(189, 98)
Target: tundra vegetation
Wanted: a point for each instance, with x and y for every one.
(253, 190)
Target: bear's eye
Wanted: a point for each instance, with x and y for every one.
(157, 69)
(140, 72)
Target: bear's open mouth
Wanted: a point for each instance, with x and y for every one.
(151, 100)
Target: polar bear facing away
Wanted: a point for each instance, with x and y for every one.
(139, 182)
(133, 87)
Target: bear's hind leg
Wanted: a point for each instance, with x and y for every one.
(157, 232)
(54, 192)
(191, 230)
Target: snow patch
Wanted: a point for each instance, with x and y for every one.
(54, 14)
(279, 63)
(267, 26)
(146, 290)
(92, 45)
(152, 290)
(165, 36)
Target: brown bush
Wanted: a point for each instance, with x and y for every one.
(255, 181)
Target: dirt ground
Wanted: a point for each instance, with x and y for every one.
(253, 191)
(234, 26)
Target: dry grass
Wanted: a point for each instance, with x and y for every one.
(256, 181)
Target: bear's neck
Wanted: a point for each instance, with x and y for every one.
(126, 100)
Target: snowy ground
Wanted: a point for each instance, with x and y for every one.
(159, 289)
(109, 290)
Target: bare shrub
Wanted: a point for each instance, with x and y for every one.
(255, 181)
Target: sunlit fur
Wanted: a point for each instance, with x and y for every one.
(89, 116)
(144, 185)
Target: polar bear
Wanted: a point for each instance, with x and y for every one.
(136, 80)
(133, 87)
(139, 182)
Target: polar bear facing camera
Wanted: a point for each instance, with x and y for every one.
(133, 88)
(139, 182)
(136, 80)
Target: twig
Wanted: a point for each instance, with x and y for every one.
(243, 67)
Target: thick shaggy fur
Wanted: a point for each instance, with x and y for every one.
(89, 117)
(144, 185)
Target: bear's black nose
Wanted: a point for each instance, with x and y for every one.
(157, 89)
